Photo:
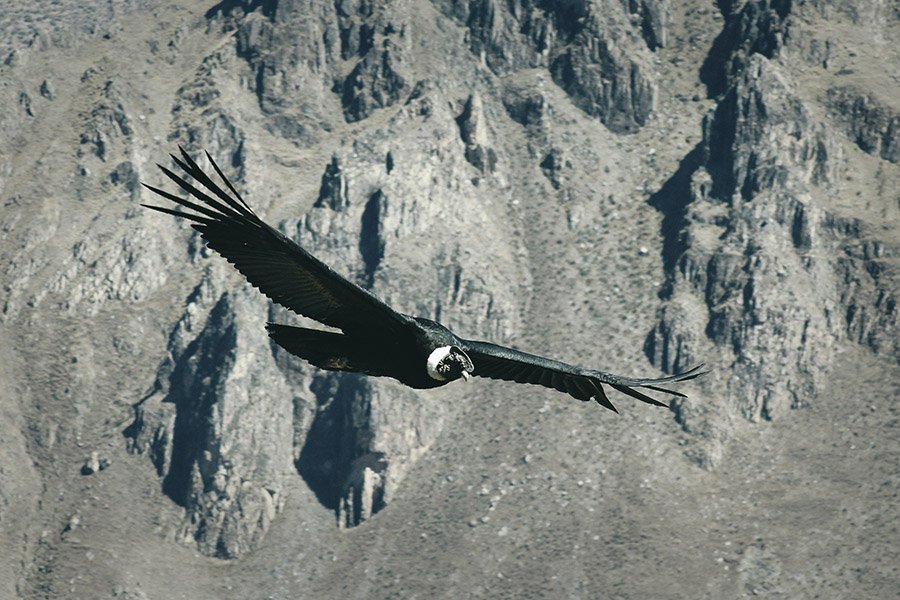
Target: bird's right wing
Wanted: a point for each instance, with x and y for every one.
(500, 362)
(278, 266)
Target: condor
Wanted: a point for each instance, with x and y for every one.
(373, 339)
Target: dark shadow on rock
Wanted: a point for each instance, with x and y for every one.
(671, 200)
(713, 71)
(371, 240)
(226, 7)
(332, 442)
(756, 27)
(569, 17)
(721, 134)
(192, 387)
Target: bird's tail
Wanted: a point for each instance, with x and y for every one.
(324, 349)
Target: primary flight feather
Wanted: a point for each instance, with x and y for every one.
(375, 339)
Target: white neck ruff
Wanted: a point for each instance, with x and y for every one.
(434, 360)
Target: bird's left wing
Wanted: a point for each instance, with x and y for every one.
(499, 362)
(279, 267)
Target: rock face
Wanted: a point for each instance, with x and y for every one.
(873, 126)
(623, 184)
(588, 47)
(220, 373)
(751, 29)
(474, 134)
(748, 221)
(758, 269)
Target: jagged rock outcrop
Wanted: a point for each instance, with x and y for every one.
(379, 80)
(872, 125)
(525, 104)
(751, 28)
(748, 221)
(653, 16)
(865, 271)
(289, 48)
(106, 122)
(217, 424)
(376, 82)
(585, 45)
(552, 166)
(474, 133)
(294, 52)
(753, 265)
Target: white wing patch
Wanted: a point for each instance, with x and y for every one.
(434, 360)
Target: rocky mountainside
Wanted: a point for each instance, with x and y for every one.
(636, 186)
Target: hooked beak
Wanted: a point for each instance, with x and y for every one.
(465, 375)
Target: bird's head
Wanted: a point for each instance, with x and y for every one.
(449, 363)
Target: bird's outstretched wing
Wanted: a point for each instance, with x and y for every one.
(279, 267)
(499, 362)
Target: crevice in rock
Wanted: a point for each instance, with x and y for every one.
(756, 27)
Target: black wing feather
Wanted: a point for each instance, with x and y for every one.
(500, 362)
(279, 267)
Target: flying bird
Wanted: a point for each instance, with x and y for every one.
(374, 338)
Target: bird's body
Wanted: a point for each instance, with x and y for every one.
(373, 338)
(402, 356)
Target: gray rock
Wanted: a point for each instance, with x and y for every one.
(474, 133)
(223, 443)
(750, 28)
(46, 90)
(759, 570)
(107, 123)
(288, 63)
(358, 22)
(653, 16)
(525, 104)
(94, 464)
(864, 274)
(871, 124)
(73, 523)
(552, 166)
(606, 74)
(748, 222)
(606, 77)
(376, 82)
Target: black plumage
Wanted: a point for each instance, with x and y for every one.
(373, 339)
